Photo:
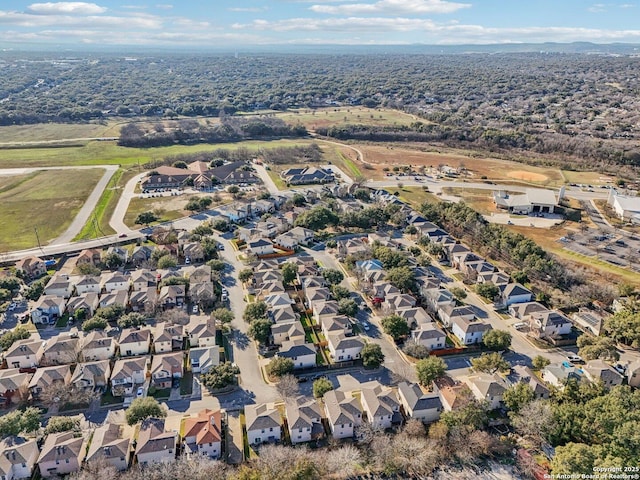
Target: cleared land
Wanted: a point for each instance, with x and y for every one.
(47, 200)
(337, 116)
(46, 132)
(588, 178)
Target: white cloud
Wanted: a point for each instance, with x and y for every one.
(164, 6)
(25, 20)
(597, 8)
(66, 8)
(391, 6)
(247, 9)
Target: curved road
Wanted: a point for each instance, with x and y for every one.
(117, 218)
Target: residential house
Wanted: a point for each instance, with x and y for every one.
(398, 302)
(13, 386)
(115, 282)
(383, 289)
(516, 293)
(166, 367)
(18, 456)
(430, 336)
(143, 300)
(344, 348)
(337, 324)
(307, 175)
(59, 286)
(111, 443)
(193, 251)
(141, 254)
(419, 405)
(449, 313)
(295, 237)
(62, 454)
(523, 311)
(167, 337)
(600, 371)
(87, 284)
(122, 253)
(469, 331)
(201, 331)
(549, 324)
(96, 345)
(134, 341)
(313, 282)
(523, 374)
(283, 315)
(633, 374)
(415, 316)
(302, 354)
(351, 246)
(557, 374)
(271, 288)
(47, 309)
(46, 377)
(261, 246)
(453, 394)
(440, 298)
(344, 413)
(289, 331)
(171, 296)
(31, 267)
(117, 297)
(203, 434)
(90, 256)
(279, 300)
(589, 321)
(380, 405)
(60, 349)
(263, 424)
(92, 375)
(489, 388)
(317, 294)
(25, 353)
(324, 308)
(499, 279)
(304, 420)
(202, 359)
(143, 279)
(87, 302)
(155, 445)
(128, 374)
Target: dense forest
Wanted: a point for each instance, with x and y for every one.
(566, 105)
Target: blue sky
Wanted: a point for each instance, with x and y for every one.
(224, 23)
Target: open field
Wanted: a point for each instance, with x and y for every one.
(108, 153)
(388, 155)
(337, 116)
(415, 196)
(479, 200)
(47, 200)
(588, 178)
(55, 131)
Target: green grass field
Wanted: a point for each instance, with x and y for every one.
(345, 115)
(164, 207)
(46, 132)
(47, 200)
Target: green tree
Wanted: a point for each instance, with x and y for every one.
(223, 315)
(317, 218)
(396, 326)
(458, 292)
(9, 338)
(487, 290)
(260, 330)
(518, 395)
(254, 311)
(497, 340)
(95, 323)
(62, 424)
(289, 273)
(348, 307)
(10, 283)
(143, 408)
(203, 230)
(132, 319)
(332, 276)
(245, 275)
(88, 269)
(490, 363)
(280, 366)
(217, 265)
(112, 313)
(626, 289)
(539, 362)
(167, 261)
(145, 218)
(220, 376)
(471, 414)
(574, 459)
(36, 289)
(339, 292)
(592, 348)
(430, 369)
(372, 356)
(331, 243)
(17, 422)
(402, 278)
(233, 189)
(322, 386)
(112, 261)
(624, 327)
(221, 225)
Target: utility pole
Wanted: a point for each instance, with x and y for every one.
(38, 239)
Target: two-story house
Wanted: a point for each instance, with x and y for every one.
(18, 456)
(134, 341)
(380, 405)
(155, 445)
(45, 378)
(343, 413)
(344, 348)
(92, 375)
(128, 374)
(62, 454)
(203, 434)
(96, 345)
(167, 337)
(419, 405)
(112, 444)
(304, 420)
(166, 367)
(25, 353)
(263, 423)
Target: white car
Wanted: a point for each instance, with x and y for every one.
(572, 357)
(365, 325)
(140, 392)
(194, 309)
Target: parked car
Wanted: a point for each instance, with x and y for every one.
(365, 325)
(194, 309)
(140, 392)
(572, 357)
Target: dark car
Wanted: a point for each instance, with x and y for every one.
(303, 379)
(176, 383)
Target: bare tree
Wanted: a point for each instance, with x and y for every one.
(60, 394)
(173, 315)
(288, 386)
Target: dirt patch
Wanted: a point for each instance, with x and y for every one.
(528, 176)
